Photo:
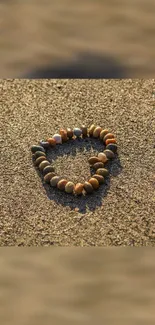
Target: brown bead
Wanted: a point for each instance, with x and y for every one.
(61, 184)
(91, 129)
(102, 172)
(70, 133)
(94, 182)
(52, 142)
(48, 169)
(108, 141)
(69, 187)
(88, 187)
(78, 188)
(84, 131)
(98, 165)
(112, 147)
(97, 132)
(43, 164)
(39, 154)
(48, 177)
(99, 178)
(109, 154)
(63, 134)
(109, 136)
(102, 157)
(54, 181)
(103, 133)
(39, 160)
(93, 160)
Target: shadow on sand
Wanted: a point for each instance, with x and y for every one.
(87, 202)
(85, 65)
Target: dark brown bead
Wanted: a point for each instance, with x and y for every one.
(61, 184)
(70, 133)
(93, 160)
(39, 160)
(88, 187)
(98, 165)
(99, 178)
(48, 169)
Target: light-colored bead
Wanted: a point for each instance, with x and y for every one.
(102, 157)
(57, 138)
(69, 187)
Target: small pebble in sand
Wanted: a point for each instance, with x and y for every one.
(78, 188)
(48, 177)
(54, 181)
(98, 165)
(103, 133)
(61, 184)
(88, 187)
(99, 178)
(102, 157)
(44, 144)
(97, 132)
(112, 147)
(52, 142)
(109, 136)
(58, 138)
(39, 154)
(110, 154)
(102, 172)
(69, 188)
(84, 131)
(93, 160)
(70, 133)
(94, 182)
(63, 134)
(48, 169)
(110, 141)
(77, 132)
(39, 160)
(37, 148)
(91, 129)
(43, 164)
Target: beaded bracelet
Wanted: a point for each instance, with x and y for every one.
(41, 162)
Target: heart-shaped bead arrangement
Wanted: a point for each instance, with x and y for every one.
(50, 176)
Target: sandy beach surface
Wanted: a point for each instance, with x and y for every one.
(121, 212)
(37, 34)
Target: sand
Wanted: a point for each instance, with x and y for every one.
(122, 211)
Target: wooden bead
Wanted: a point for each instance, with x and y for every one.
(94, 182)
(109, 136)
(93, 160)
(69, 188)
(43, 164)
(97, 132)
(112, 147)
(39, 160)
(63, 134)
(84, 131)
(39, 154)
(102, 172)
(78, 188)
(102, 157)
(110, 141)
(61, 184)
(99, 178)
(110, 154)
(98, 165)
(52, 142)
(91, 129)
(35, 148)
(48, 177)
(70, 133)
(48, 169)
(103, 133)
(88, 187)
(54, 181)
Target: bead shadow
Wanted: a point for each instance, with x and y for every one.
(89, 201)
